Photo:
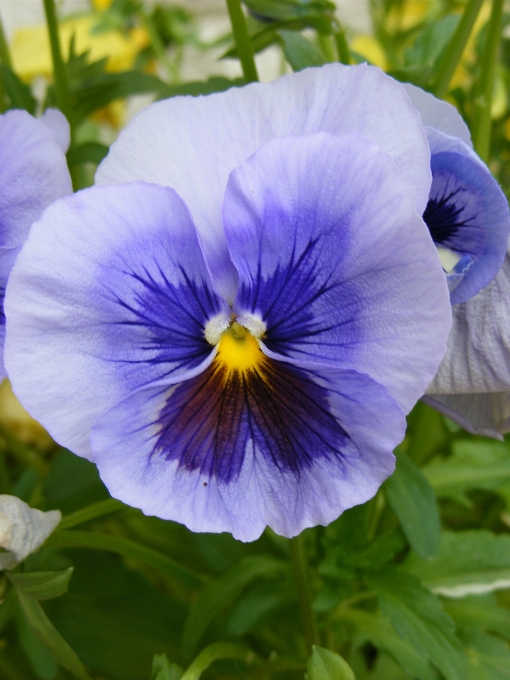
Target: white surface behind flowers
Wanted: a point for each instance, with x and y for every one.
(212, 21)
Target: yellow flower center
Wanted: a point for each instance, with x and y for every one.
(238, 350)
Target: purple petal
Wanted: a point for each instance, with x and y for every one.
(109, 293)
(192, 144)
(33, 174)
(334, 263)
(236, 451)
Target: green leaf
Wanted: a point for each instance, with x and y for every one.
(480, 612)
(42, 585)
(300, 52)
(88, 152)
(418, 617)
(259, 603)
(19, 94)
(326, 665)
(162, 669)
(412, 499)
(383, 636)
(222, 591)
(43, 664)
(489, 658)
(290, 9)
(473, 465)
(468, 562)
(430, 43)
(50, 637)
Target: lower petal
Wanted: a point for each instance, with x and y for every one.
(486, 413)
(231, 451)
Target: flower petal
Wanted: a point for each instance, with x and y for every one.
(437, 113)
(58, 124)
(334, 262)
(468, 213)
(109, 293)
(33, 173)
(487, 414)
(192, 144)
(477, 359)
(7, 259)
(231, 451)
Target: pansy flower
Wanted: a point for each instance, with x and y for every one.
(33, 174)
(234, 331)
(468, 218)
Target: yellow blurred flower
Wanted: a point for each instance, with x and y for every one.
(407, 15)
(26, 429)
(371, 49)
(101, 4)
(31, 50)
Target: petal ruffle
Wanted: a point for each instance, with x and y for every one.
(281, 446)
(109, 293)
(192, 144)
(334, 263)
(33, 174)
(438, 114)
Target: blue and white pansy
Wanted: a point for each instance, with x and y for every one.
(33, 173)
(227, 327)
(468, 214)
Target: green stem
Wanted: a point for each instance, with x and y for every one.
(59, 68)
(453, 53)
(297, 552)
(482, 122)
(124, 546)
(158, 45)
(218, 650)
(242, 40)
(91, 512)
(5, 56)
(342, 47)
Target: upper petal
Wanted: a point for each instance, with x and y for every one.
(110, 292)
(192, 144)
(33, 173)
(438, 114)
(334, 263)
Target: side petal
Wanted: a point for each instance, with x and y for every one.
(110, 292)
(7, 259)
(438, 114)
(477, 359)
(487, 413)
(280, 446)
(334, 263)
(33, 174)
(192, 144)
(467, 213)
(58, 124)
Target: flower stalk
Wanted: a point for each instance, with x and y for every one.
(297, 552)
(242, 40)
(482, 122)
(59, 68)
(453, 53)
(214, 652)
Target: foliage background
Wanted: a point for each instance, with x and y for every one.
(413, 584)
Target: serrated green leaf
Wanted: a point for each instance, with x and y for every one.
(468, 562)
(42, 585)
(18, 92)
(326, 665)
(473, 465)
(412, 499)
(480, 612)
(222, 591)
(300, 52)
(489, 658)
(50, 637)
(162, 669)
(382, 635)
(417, 616)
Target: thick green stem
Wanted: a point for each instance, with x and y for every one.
(91, 512)
(59, 68)
(342, 47)
(300, 566)
(123, 546)
(453, 53)
(218, 650)
(242, 40)
(482, 121)
(5, 56)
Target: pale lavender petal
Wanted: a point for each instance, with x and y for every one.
(192, 144)
(110, 292)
